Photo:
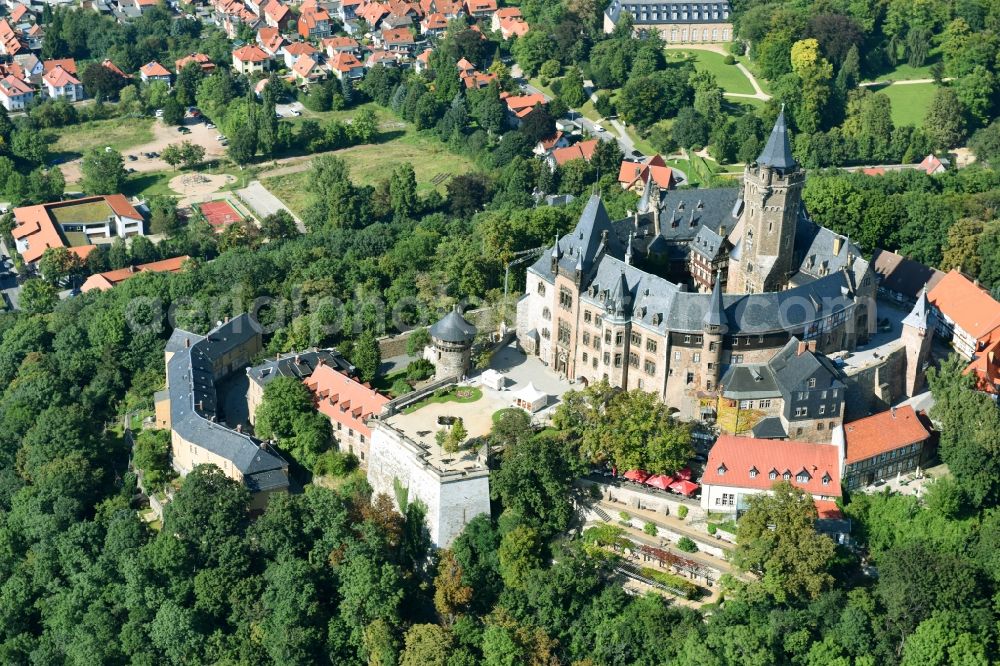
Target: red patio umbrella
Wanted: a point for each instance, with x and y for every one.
(661, 481)
(684, 474)
(636, 475)
(684, 487)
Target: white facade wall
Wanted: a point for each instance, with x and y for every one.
(711, 493)
(529, 315)
(452, 501)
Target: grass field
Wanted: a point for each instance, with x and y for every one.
(119, 133)
(372, 162)
(85, 213)
(729, 78)
(149, 183)
(903, 72)
(909, 102)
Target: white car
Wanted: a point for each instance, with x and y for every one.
(220, 137)
(599, 128)
(210, 126)
(159, 113)
(296, 113)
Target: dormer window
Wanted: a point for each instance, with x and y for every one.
(786, 475)
(803, 477)
(722, 469)
(773, 474)
(826, 479)
(753, 472)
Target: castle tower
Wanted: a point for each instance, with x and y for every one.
(451, 338)
(918, 333)
(772, 188)
(715, 324)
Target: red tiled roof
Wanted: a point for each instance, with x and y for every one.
(304, 66)
(151, 69)
(107, 64)
(372, 13)
(344, 61)
(480, 6)
(397, 36)
(121, 207)
(11, 41)
(107, 280)
(34, 224)
(970, 306)
(300, 48)
(11, 86)
(547, 143)
(270, 38)
(464, 65)
(579, 151)
(59, 77)
(344, 399)
(825, 509)
(931, 165)
(882, 432)
(18, 13)
(276, 11)
(250, 53)
(737, 456)
(508, 12)
(873, 171)
(198, 58)
(985, 367)
(513, 27)
(69, 64)
(435, 21)
(340, 43)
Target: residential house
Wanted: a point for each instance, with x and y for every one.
(478, 80)
(307, 70)
(15, 94)
(277, 15)
(985, 367)
(61, 84)
(32, 68)
(189, 408)
(677, 21)
(109, 279)
(292, 52)
(465, 68)
(422, 62)
(480, 8)
(314, 23)
(451, 9)
(11, 43)
(393, 21)
(114, 69)
(966, 313)
(251, 59)
(634, 176)
(372, 14)
(519, 106)
(69, 64)
(270, 40)
(380, 57)
(882, 446)
(798, 394)
(348, 10)
(509, 23)
(153, 71)
(901, 279)
(395, 40)
(35, 37)
(38, 228)
(434, 24)
(932, 165)
(739, 468)
(412, 10)
(348, 404)
(584, 150)
(200, 59)
(345, 64)
(335, 45)
(547, 145)
(20, 14)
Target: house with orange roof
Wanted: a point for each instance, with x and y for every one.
(348, 404)
(334, 45)
(277, 15)
(69, 64)
(59, 83)
(583, 150)
(307, 70)
(395, 40)
(314, 23)
(380, 57)
(73, 224)
(434, 24)
(513, 27)
(465, 68)
(292, 52)
(451, 9)
(740, 467)
(348, 10)
(635, 176)
(966, 313)
(547, 145)
(11, 43)
(20, 13)
(115, 69)
(345, 64)
(985, 367)
(251, 59)
(372, 14)
(478, 80)
(35, 35)
(15, 93)
(200, 59)
(422, 62)
(480, 8)
(933, 165)
(882, 446)
(154, 71)
(270, 40)
(109, 279)
(519, 106)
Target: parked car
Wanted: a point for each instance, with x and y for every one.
(210, 125)
(295, 113)
(159, 113)
(183, 130)
(599, 128)
(132, 158)
(220, 137)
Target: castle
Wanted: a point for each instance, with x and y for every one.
(696, 281)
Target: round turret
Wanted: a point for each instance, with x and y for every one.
(452, 338)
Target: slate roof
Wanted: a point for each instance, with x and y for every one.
(792, 369)
(777, 153)
(193, 401)
(298, 365)
(920, 316)
(453, 328)
(749, 382)
(769, 428)
(903, 276)
(716, 314)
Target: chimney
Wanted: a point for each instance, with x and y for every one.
(201, 405)
(239, 427)
(691, 219)
(722, 230)
(803, 347)
(187, 342)
(837, 243)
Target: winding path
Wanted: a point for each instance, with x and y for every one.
(715, 48)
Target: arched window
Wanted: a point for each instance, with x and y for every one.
(546, 315)
(541, 288)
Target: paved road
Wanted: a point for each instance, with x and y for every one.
(906, 82)
(264, 203)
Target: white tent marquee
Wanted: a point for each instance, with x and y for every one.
(530, 399)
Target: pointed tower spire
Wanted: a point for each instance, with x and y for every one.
(918, 317)
(556, 252)
(715, 318)
(777, 154)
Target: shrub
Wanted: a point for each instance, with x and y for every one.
(624, 516)
(737, 48)
(681, 585)
(729, 60)
(687, 545)
(595, 492)
(650, 529)
(400, 387)
(419, 370)
(712, 529)
(682, 512)
(335, 463)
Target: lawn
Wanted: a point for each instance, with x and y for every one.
(385, 117)
(149, 183)
(85, 213)
(459, 394)
(904, 72)
(909, 102)
(120, 133)
(369, 163)
(729, 78)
